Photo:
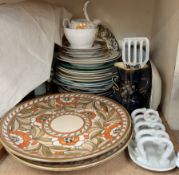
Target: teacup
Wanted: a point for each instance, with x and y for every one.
(80, 38)
(80, 24)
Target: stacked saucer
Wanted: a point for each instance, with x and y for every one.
(65, 132)
(85, 70)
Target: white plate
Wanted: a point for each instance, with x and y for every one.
(156, 91)
(112, 57)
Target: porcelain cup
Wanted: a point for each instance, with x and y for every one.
(79, 24)
(80, 38)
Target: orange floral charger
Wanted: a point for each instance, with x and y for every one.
(64, 127)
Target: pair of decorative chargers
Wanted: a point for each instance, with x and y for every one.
(65, 132)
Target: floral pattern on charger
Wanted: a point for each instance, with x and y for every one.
(98, 124)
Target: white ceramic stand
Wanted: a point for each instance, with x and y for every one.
(153, 160)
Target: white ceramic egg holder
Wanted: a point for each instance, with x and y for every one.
(151, 147)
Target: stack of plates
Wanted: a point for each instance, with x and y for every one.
(65, 132)
(86, 70)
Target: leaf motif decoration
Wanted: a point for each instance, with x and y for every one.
(111, 121)
(16, 125)
(88, 145)
(100, 114)
(95, 140)
(46, 150)
(103, 143)
(24, 121)
(104, 107)
(40, 134)
(51, 103)
(41, 111)
(33, 132)
(36, 132)
(25, 127)
(26, 111)
(113, 115)
(99, 111)
(42, 106)
(84, 101)
(35, 148)
(95, 133)
(68, 108)
(24, 116)
(43, 139)
(98, 124)
(100, 140)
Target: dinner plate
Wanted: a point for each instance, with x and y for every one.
(85, 84)
(79, 165)
(107, 58)
(93, 54)
(85, 78)
(84, 72)
(84, 54)
(91, 89)
(98, 45)
(107, 93)
(84, 67)
(64, 127)
(95, 91)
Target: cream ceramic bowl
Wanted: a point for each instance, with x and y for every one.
(80, 38)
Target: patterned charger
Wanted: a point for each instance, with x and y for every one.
(64, 127)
